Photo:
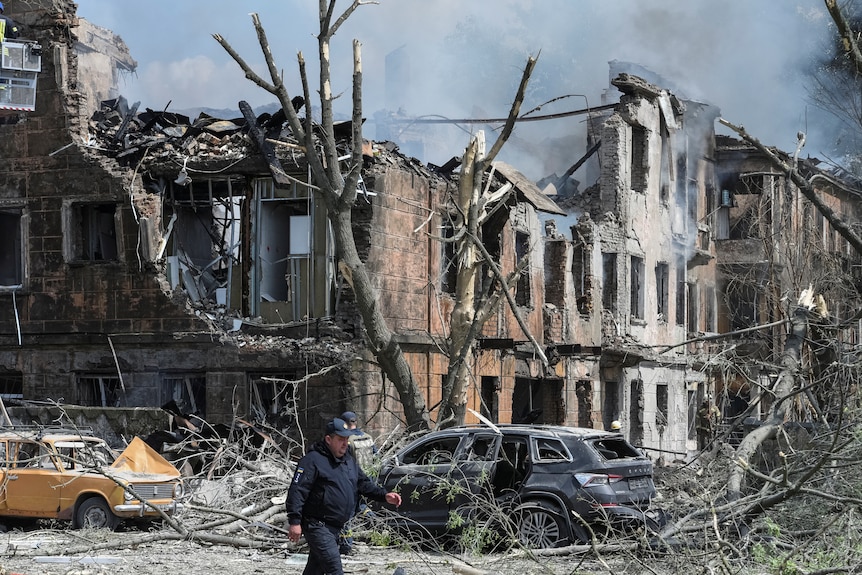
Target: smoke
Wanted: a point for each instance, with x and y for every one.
(465, 58)
(747, 57)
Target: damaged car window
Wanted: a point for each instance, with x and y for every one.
(433, 452)
(483, 448)
(615, 449)
(549, 450)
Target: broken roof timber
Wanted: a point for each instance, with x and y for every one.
(527, 190)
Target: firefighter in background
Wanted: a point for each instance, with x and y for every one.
(708, 417)
(8, 27)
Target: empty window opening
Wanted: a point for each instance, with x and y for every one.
(710, 309)
(11, 254)
(637, 287)
(99, 390)
(609, 286)
(490, 398)
(522, 259)
(527, 401)
(584, 393)
(272, 400)
(636, 412)
(693, 316)
(661, 404)
(11, 385)
(680, 293)
(448, 261)
(662, 288)
(691, 413)
(639, 159)
(187, 391)
(581, 279)
(742, 301)
(94, 232)
(611, 403)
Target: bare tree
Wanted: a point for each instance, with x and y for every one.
(337, 185)
(470, 218)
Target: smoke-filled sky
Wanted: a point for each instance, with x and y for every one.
(465, 57)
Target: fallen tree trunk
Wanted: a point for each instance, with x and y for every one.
(783, 391)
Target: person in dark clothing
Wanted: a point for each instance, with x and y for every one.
(7, 25)
(322, 497)
(361, 447)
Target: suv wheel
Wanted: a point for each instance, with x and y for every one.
(541, 526)
(94, 513)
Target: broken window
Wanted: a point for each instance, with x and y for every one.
(188, 391)
(637, 287)
(11, 385)
(691, 398)
(636, 411)
(581, 279)
(272, 400)
(692, 299)
(99, 390)
(661, 404)
(710, 310)
(639, 159)
(609, 286)
(680, 293)
(662, 281)
(11, 253)
(93, 232)
(666, 171)
(742, 301)
(527, 401)
(448, 262)
(522, 253)
(206, 238)
(750, 215)
(491, 397)
(433, 452)
(294, 269)
(584, 393)
(611, 402)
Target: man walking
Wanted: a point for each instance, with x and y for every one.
(323, 494)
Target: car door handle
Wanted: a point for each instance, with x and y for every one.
(11, 477)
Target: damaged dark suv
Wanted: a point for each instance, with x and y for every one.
(553, 484)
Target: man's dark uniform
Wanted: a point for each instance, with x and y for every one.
(322, 498)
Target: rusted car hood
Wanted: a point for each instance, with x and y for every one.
(139, 459)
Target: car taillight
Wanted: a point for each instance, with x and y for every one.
(593, 479)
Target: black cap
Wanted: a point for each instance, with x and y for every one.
(339, 427)
(349, 417)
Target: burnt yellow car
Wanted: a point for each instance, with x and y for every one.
(62, 474)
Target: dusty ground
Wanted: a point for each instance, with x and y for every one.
(33, 549)
(20, 552)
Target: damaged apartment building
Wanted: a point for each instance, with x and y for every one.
(154, 258)
(150, 258)
(635, 277)
(773, 243)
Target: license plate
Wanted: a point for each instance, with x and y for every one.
(638, 483)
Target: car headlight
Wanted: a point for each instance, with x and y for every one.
(127, 495)
(179, 490)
